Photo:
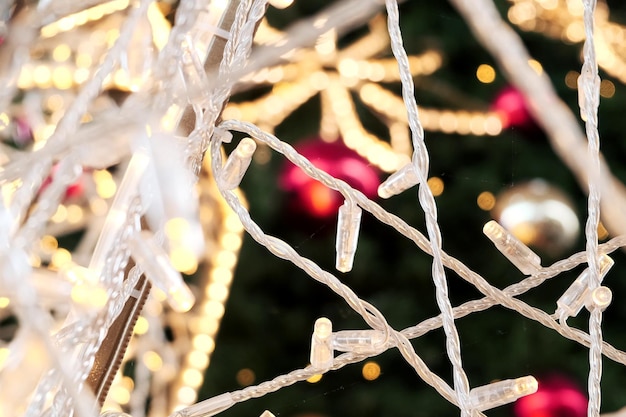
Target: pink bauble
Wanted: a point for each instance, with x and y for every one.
(336, 159)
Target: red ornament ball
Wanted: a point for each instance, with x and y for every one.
(510, 105)
(557, 396)
(313, 197)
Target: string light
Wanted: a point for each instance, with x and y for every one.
(127, 215)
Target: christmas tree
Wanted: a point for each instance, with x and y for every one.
(331, 88)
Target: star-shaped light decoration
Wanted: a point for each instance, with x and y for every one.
(336, 74)
(563, 20)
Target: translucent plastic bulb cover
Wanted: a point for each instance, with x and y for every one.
(600, 298)
(196, 81)
(502, 392)
(237, 164)
(358, 341)
(348, 225)
(573, 299)
(154, 262)
(321, 344)
(517, 252)
(401, 180)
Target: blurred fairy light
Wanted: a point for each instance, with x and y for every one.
(563, 20)
(336, 74)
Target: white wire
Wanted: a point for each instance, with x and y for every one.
(590, 85)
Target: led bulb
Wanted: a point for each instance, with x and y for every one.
(518, 253)
(207, 408)
(237, 164)
(321, 344)
(573, 299)
(281, 4)
(502, 392)
(599, 298)
(196, 81)
(401, 180)
(358, 341)
(153, 260)
(348, 224)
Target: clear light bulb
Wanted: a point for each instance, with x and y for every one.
(237, 164)
(267, 413)
(321, 344)
(573, 299)
(155, 263)
(194, 75)
(599, 298)
(358, 341)
(502, 392)
(401, 180)
(348, 224)
(517, 252)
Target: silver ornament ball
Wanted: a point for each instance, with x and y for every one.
(538, 214)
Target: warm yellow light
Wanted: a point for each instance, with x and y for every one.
(183, 260)
(222, 275)
(161, 28)
(176, 228)
(106, 189)
(371, 371)
(214, 309)
(226, 259)
(55, 102)
(61, 52)
(571, 79)
(486, 200)
(485, 73)
(4, 302)
(607, 89)
(217, 292)
(141, 326)
(98, 206)
(128, 383)
(281, 4)
(119, 394)
(74, 213)
(203, 343)
(192, 378)
(575, 32)
(602, 232)
(48, 244)
(231, 241)
(436, 186)
(245, 377)
(186, 395)
(89, 295)
(4, 121)
(536, 65)
(42, 76)
(198, 359)
(152, 360)
(314, 378)
(60, 257)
